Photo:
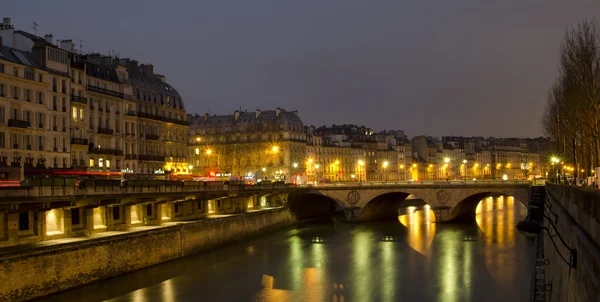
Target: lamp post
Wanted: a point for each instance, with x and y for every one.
(465, 168)
(209, 153)
(384, 166)
(403, 172)
(317, 173)
(295, 174)
(361, 164)
(337, 169)
(308, 168)
(446, 164)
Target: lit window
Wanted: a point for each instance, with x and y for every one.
(197, 151)
(101, 163)
(108, 163)
(91, 162)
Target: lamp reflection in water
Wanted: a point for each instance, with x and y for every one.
(421, 226)
(495, 216)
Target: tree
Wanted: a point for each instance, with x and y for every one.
(572, 113)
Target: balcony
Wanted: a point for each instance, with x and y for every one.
(153, 137)
(78, 99)
(105, 91)
(79, 141)
(105, 151)
(18, 123)
(150, 116)
(151, 157)
(130, 113)
(130, 156)
(175, 121)
(105, 131)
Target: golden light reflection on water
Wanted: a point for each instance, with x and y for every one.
(496, 217)
(421, 228)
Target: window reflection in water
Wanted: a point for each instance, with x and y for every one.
(420, 223)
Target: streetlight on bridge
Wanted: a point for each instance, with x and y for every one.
(361, 165)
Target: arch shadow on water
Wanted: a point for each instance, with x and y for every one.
(313, 206)
(386, 206)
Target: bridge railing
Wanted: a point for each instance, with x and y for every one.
(49, 191)
(431, 182)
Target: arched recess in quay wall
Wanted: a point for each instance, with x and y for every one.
(386, 205)
(465, 210)
(313, 205)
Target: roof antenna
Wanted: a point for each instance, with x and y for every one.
(35, 27)
(80, 46)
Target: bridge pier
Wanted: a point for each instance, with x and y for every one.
(442, 214)
(353, 214)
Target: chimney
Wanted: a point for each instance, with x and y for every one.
(132, 68)
(236, 115)
(7, 32)
(206, 116)
(148, 72)
(67, 45)
(257, 113)
(277, 111)
(160, 77)
(49, 38)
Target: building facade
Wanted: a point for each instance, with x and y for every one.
(60, 109)
(262, 145)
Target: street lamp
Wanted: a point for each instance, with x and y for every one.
(403, 172)
(361, 163)
(316, 173)
(385, 165)
(465, 168)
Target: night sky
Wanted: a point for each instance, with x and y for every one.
(449, 68)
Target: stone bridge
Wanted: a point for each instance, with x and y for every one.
(363, 202)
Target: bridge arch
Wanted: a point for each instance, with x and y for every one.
(385, 206)
(313, 205)
(465, 209)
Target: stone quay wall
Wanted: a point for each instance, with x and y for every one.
(41, 271)
(578, 212)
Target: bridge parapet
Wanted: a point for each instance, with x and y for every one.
(448, 200)
(65, 192)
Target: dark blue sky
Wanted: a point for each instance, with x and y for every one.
(444, 68)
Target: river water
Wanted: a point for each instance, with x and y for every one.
(412, 259)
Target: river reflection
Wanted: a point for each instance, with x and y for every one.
(414, 259)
